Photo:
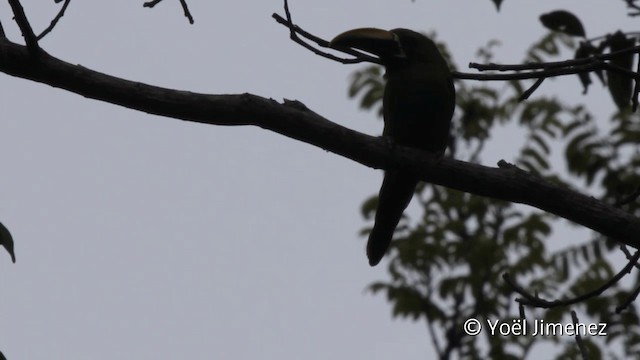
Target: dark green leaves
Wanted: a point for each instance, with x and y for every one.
(620, 85)
(447, 264)
(497, 3)
(369, 84)
(6, 240)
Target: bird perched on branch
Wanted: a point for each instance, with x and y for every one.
(418, 103)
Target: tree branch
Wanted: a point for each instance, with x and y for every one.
(55, 20)
(27, 32)
(294, 120)
(183, 3)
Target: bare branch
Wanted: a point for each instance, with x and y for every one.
(507, 183)
(295, 30)
(631, 5)
(187, 13)
(554, 64)
(151, 4)
(539, 71)
(525, 95)
(578, 337)
(27, 32)
(636, 90)
(55, 20)
(183, 3)
(533, 300)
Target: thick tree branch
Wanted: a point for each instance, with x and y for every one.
(294, 120)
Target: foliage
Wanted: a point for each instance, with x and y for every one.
(447, 265)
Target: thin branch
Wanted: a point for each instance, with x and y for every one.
(636, 90)
(55, 20)
(628, 255)
(187, 13)
(629, 300)
(522, 311)
(508, 184)
(553, 64)
(296, 30)
(536, 301)
(551, 72)
(578, 337)
(525, 95)
(536, 71)
(151, 3)
(27, 32)
(631, 4)
(183, 3)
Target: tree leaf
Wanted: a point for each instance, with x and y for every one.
(6, 240)
(563, 21)
(620, 85)
(497, 3)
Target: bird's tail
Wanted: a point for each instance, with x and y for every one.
(395, 194)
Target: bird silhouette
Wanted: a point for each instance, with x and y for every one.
(418, 104)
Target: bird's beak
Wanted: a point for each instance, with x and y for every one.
(379, 42)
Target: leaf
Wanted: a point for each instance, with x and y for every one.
(620, 85)
(532, 155)
(6, 240)
(498, 3)
(563, 21)
(541, 143)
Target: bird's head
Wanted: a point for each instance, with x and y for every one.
(391, 46)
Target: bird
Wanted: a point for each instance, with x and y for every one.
(418, 105)
(6, 240)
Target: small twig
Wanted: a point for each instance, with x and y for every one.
(2, 34)
(632, 5)
(187, 13)
(628, 255)
(553, 64)
(521, 309)
(55, 20)
(534, 300)
(636, 90)
(629, 300)
(27, 32)
(183, 3)
(583, 349)
(295, 30)
(537, 71)
(151, 3)
(525, 95)
(550, 72)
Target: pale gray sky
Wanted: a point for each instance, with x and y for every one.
(140, 237)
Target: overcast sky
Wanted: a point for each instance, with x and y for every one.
(142, 237)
